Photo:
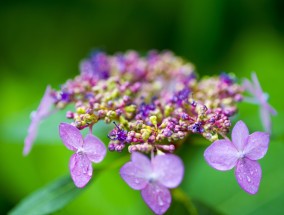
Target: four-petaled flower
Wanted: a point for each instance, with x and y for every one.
(242, 152)
(259, 97)
(154, 178)
(88, 150)
(42, 112)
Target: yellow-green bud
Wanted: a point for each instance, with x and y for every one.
(153, 119)
(130, 108)
(168, 110)
(81, 110)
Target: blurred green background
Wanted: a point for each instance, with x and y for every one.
(42, 42)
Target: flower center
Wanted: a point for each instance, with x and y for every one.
(241, 154)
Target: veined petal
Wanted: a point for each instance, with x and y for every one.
(81, 169)
(248, 86)
(45, 104)
(137, 172)
(43, 111)
(248, 174)
(240, 134)
(70, 136)
(32, 132)
(133, 174)
(271, 109)
(257, 145)
(221, 155)
(143, 161)
(169, 169)
(256, 84)
(266, 119)
(251, 100)
(94, 148)
(157, 197)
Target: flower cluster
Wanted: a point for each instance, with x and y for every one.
(155, 102)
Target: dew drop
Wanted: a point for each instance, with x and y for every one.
(248, 178)
(160, 201)
(136, 181)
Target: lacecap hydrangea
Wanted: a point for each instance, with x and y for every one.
(155, 102)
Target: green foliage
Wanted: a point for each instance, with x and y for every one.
(48, 199)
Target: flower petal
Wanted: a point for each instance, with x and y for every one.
(70, 136)
(45, 104)
(270, 109)
(169, 169)
(42, 112)
(265, 118)
(248, 174)
(240, 134)
(257, 87)
(221, 155)
(157, 197)
(94, 148)
(81, 169)
(136, 172)
(32, 132)
(248, 86)
(257, 145)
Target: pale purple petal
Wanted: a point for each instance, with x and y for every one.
(169, 169)
(240, 134)
(257, 87)
(271, 110)
(81, 169)
(248, 174)
(94, 148)
(157, 197)
(45, 104)
(251, 100)
(266, 119)
(137, 172)
(142, 159)
(70, 136)
(42, 111)
(257, 145)
(32, 132)
(221, 155)
(248, 86)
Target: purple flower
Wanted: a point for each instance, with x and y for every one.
(259, 97)
(180, 96)
(88, 150)
(242, 152)
(118, 134)
(42, 112)
(154, 178)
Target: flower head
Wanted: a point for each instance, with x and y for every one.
(42, 112)
(87, 150)
(259, 97)
(154, 178)
(242, 152)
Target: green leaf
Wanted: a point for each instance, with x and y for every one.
(56, 195)
(48, 199)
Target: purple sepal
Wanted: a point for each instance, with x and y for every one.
(242, 153)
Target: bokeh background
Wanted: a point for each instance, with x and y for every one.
(42, 42)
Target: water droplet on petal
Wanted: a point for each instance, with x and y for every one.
(136, 181)
(160, 201)
(248, 178)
